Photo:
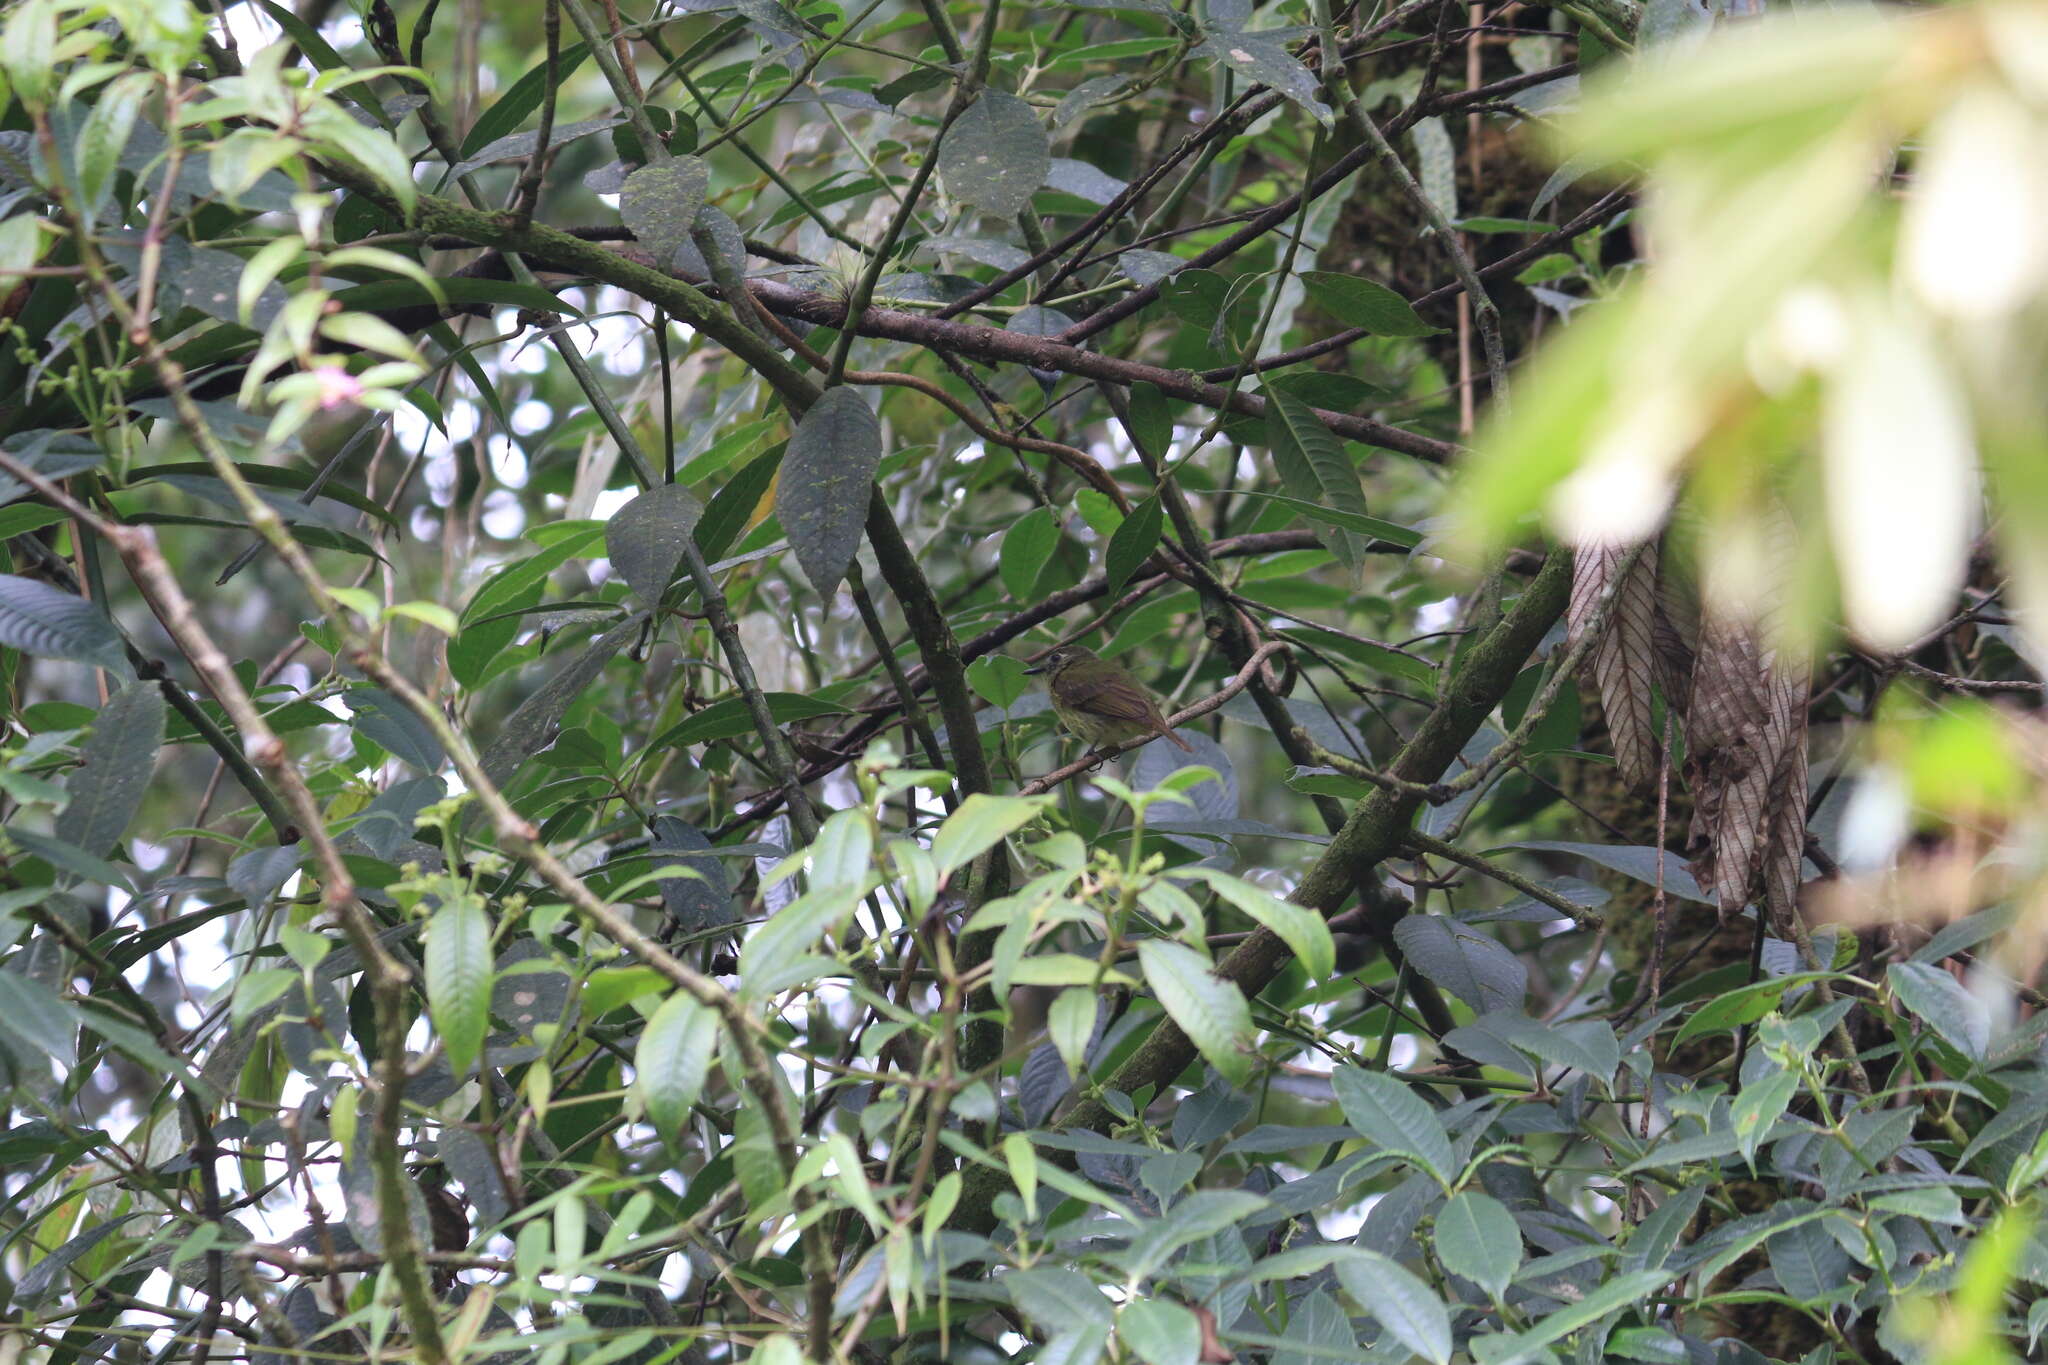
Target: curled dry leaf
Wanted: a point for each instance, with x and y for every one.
(1622, 665)
(1745, 742)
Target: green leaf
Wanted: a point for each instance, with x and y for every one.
(255, 989)
(512, 107)
(382, 295)
(998, 679)
(1742, 1006)
(1132, 543)
(1197, 1216)
(1657, 1236)
(519, 146)
(610, 987)
(647, 538)
(534, 723)
(395, 728)
(104, 136)
(843, 849)
(852, 1180)
(115, 766)
(25, 517)
(1475, 967)
(1267, 62)
(38, 619)
(516, 585)
(1364, 304)
(1616, 1294)
(1951, 1011)
(1313, 463)
(1477, 1237)
(660, 203)
(996, 155)
(1027, 545)
(1390, 531)
(89, 867)
(733, 506)
(778, 954)
(1631, 860)
(263, 476)
(42, 1277)
(730, 718)
(672, 1061)
(915, 81)
(1409, 1309)
(1151, 424)
(1758, 1107)
(1160, 1332)
(1211, 1011)
(1586, 1045)
(1304, 932)
(373, 149)
(1070, 1022)
(1387, 1113)
(1436, 161)
(821, 497)
(1329, 782)
(978, 825)
(459, 970)
(305, 36)
(1484, 225)
(1554, 266)
(32, 1013)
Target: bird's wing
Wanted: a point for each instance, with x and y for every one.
(1114, 698)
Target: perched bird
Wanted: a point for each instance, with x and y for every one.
(1101, 702)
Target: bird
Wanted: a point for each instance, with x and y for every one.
(1101, 703)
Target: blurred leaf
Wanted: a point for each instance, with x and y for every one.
(1159, 1332)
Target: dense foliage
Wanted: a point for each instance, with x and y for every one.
(528, 833)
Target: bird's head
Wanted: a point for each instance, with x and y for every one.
(1059, 660)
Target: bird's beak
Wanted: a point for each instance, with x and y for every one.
(1039, 669)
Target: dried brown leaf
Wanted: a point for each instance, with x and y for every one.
(1623, 661)
(1784, 860)
(1746, 760)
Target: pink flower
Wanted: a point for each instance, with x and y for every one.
(337, 386)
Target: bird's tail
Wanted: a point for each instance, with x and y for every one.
(1178, 740)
